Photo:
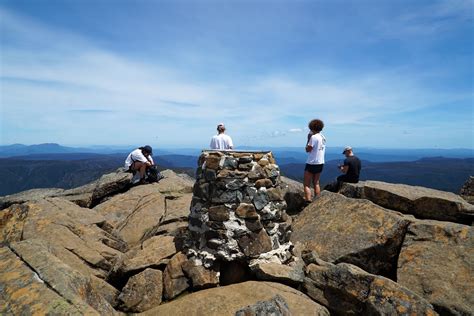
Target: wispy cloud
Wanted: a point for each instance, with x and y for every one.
(49, 75)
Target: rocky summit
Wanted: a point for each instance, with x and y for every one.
(236, 240)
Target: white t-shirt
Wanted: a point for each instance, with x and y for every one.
(221, 141)
(136, 155)
(316, 156)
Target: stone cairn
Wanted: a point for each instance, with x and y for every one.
(238, 212)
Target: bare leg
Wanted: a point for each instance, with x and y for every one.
(307, 185)
(140, 167)
(317, 189)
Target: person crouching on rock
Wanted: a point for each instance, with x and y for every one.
(315, 148)
(138, 161)
(350, 169)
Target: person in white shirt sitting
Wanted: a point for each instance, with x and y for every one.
(221, 141)
(138, 161)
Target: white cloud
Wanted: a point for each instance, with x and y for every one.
(71, 84)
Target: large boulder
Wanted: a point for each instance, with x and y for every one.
(87, 195)
(29, 195)
(154, 253)
(294, 195)
(348, 290)
(143, 291)
(355, 231)
(421, 202)
(23, 292)
(437, 262)
(175, 183)
(74, 233)
(227, 300)
(134, 212)
(69, 283)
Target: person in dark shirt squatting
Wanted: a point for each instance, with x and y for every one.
(350, 169)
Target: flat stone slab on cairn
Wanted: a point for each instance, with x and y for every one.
(238, 212)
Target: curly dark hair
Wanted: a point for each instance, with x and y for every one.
(316, 125)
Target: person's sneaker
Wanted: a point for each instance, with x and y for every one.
(136, 178)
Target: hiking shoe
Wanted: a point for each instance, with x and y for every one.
(136, 178)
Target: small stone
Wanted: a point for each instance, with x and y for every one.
(201, 277)
(257, 157)
(255, 244)
(253, 225)
(226, 173)
(267, 183)
(246, 211)
(235, 184)
(142, 291)
(230, 163)
(174, 280)
(201, 191)
(245, 166)
(275, 194)
(210, 175)
(256, 173)
(212, 162)
(218, 213)
(263, 162)
(260, 200)
(245, 160)
(227, 197)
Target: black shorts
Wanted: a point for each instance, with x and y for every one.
(314, 169)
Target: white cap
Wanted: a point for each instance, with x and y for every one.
(347, 148)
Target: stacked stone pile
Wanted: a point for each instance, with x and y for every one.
(467, 190)
(238, 211)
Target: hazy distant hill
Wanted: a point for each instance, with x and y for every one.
(53, 165)
(447, 174)
(71, 170)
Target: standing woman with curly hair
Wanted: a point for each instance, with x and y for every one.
(315, 148)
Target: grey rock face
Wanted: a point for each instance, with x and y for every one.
(356, 231)
(275, 307)
(421, 202)
(437, 262)
(348, 290)
(142, 292)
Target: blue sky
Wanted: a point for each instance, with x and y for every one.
(395, 74)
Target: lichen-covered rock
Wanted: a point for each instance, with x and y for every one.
(437, 262)
(70, 284)
(142, 292)
(421, 202)
(275, 307)
(174, 183)
(23, 292)
(227, 300)
(153, 254)
(29, 195)
(356, 231)
(74, 232)
(286, 274)
(174, 280)
(134, 212)
(348, 290)
(201, 278)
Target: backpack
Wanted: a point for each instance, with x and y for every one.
(153, 174)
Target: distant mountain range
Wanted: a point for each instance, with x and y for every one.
(51, 165)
